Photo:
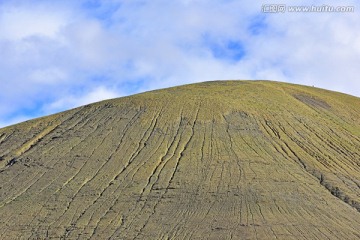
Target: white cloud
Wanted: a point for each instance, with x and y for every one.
(58, 55)
(20, 23)
(319, 50)
(48, 75)
(71, 101)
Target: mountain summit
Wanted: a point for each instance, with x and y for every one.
(213, 160)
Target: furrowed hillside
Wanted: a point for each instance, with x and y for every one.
(213, 160)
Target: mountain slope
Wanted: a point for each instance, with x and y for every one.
(214, 160)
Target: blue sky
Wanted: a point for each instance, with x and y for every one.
(57, 55)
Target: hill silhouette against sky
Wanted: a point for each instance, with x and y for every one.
(213, 160)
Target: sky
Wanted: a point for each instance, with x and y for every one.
(56, 55)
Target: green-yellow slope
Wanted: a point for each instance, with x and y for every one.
(214, 160)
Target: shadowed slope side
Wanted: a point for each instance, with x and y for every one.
(214, 160)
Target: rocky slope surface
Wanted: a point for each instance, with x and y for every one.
(214, 160)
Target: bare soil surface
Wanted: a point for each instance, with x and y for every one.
(214, 160)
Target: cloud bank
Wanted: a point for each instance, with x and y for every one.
(57, 55)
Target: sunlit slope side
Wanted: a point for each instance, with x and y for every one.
(214, 160)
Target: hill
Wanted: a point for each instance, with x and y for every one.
(213, 160)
